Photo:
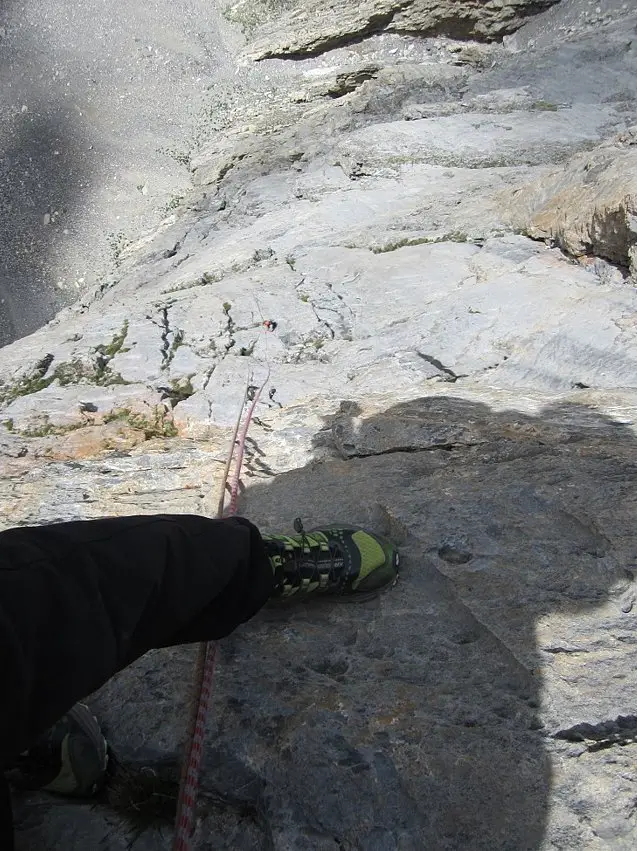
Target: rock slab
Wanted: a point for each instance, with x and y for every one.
(313, 28)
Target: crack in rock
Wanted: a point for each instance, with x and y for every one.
(439, 365)
(271, 396)
(171, 339)
(615, 731)
(349, 450)
(169, 346)
(318, 307)
(171, 252)
(570, 651)
(230, 326)
(206, 382)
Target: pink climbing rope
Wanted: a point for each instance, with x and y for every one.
(241, 446)
(206, 659)
(188, 789)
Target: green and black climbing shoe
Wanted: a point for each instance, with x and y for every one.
(338, 560)
(69, 759)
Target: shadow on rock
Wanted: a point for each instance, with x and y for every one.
(447, 714)
(427, 719)
(43, 174)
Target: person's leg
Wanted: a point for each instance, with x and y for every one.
(6, 816)
(79, 601)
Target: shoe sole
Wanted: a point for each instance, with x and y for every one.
(85, 719)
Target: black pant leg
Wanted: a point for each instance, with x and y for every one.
(6, 816)
(79, 601)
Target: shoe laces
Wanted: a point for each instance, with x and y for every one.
(312, 553)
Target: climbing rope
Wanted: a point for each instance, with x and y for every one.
(207, 651)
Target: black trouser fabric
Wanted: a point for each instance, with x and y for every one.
(80, 601)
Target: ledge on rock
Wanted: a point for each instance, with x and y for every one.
(316, 27)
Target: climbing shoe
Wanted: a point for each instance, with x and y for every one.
(345, 561)
(69, 759)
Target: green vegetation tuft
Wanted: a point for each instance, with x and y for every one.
(157, 424)
(116, 344)
(180, 389)
(46, 428)
(544, 106)
(453, 236)
(117, 242)
(173, 203)
(178, 339)
(69, 372)
(32, 382)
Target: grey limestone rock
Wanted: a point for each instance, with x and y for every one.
(312, 28)
(411, 240)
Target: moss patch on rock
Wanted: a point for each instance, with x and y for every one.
(75, 371)
(157, 423)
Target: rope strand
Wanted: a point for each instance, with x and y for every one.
(207, 655)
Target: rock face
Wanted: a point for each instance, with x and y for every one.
(312, 28)
(589, 206)
(360, 227)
